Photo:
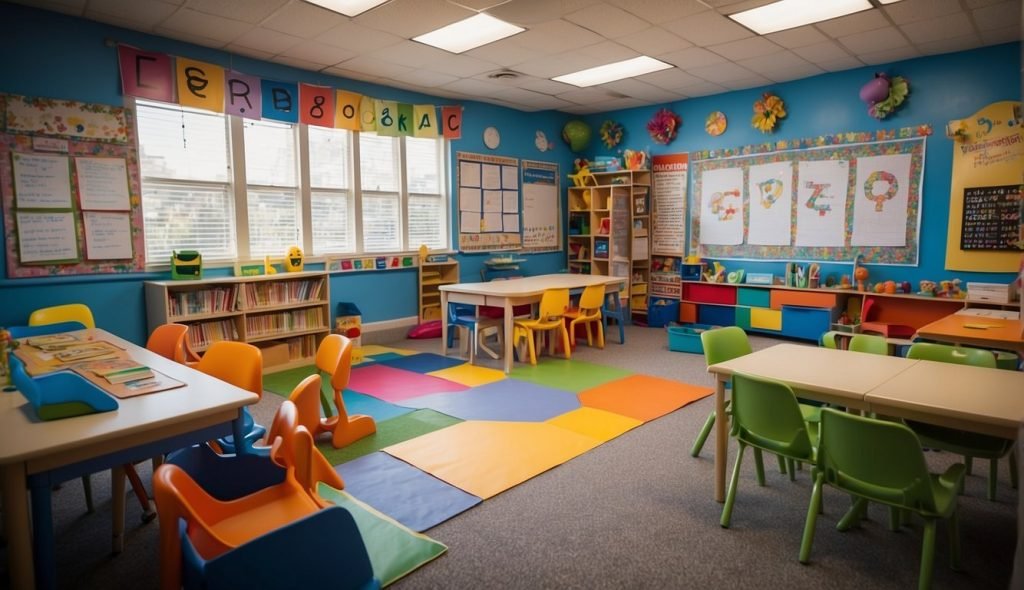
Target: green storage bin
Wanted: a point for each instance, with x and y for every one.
(743, 317)
(754, 297)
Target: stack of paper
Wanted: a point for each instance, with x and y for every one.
(52, 342)
(120, 370)
(85, 350)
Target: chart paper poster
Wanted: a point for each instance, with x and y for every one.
(880, 205)
(41, 182)
(721, 207)
(46, 237)
(108, 236)
(483, 224)
(102, 184)
(770, 187)
(668, 235)
(541, 213)
(821, 203)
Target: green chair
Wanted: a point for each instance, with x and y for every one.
(881, 461)
(968, 444)
(870, 344)
(767, 417)
(830, 339)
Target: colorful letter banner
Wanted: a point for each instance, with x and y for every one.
(200, 85)
(387, 117)
(145, 74)
(367, 114)
(317, 104)
(452, 117)
(243, 97)
(405, 119)
(425, 117)
(346, 110)
(280, 101)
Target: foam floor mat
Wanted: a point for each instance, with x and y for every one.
(389, 432)
(395, 385)
(508, 400)
(643, 397)
(569, 375)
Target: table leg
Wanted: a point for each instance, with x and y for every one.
(42, 532)
(444, 323)
(19, 543)
(117, 502)
(509, 336)
(721, 438)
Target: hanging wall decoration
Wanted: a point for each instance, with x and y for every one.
(767, 112)
(715, 124)
(664, 126)
(611, 133)
(884, 94)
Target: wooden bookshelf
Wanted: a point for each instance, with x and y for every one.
(287, 314)
(432, 276)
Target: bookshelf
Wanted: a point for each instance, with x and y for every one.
(432, 276)
(287, 315)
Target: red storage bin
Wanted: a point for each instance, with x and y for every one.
(709, 293)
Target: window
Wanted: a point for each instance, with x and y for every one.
(234, 188)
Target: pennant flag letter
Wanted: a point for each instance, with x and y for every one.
(243, 96)
(145, 74)
(425, 120)
(200, 85)
(405, 121)
(346, 110)
(367, 115)
(280, 101)
(451, 118)
(387, 117)
(317, 104)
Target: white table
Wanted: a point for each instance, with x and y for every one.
(36, 454)
(512, 292)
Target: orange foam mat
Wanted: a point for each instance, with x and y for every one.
(642, 397)
(595, 423)
(487, 458)
(469, 375)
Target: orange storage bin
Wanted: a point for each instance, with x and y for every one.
(782, 297)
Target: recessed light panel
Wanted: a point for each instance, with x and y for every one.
(789, 14)
(614, 71)
(348, 7)
(469, 33)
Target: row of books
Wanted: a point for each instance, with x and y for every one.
(275, 323)
(212, 300)
(302, 347)
(256, 295)
(204, 334)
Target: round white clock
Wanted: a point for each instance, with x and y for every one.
(492, 139)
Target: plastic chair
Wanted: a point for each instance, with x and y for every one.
(553, 304)
(71, 312)
(829, 339)
(476, 327)
(334, 359)
(766, 416)
(588, 312)
(612, 309)
(870, 344)
(881, 461)
(241, 365)
(720, 345)
(169, 341)
(968, 444)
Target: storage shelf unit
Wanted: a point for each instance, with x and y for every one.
(433, 275)
(288, 314)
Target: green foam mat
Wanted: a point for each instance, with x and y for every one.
(283, 382)
(394, 549)
(574, 376)
(389, 432)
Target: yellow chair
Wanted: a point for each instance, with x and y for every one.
(553, 305)
(588, 312)
(71, 312)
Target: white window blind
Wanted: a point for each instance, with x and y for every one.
(330, 199)
(186, 196)
(272, 195)
(379, 169)
(426, 206)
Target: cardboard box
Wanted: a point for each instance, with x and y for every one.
(274, 352)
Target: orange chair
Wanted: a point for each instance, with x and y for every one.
(588, 312)
(334, 358)
(553, 305)
(215, 527)
(241, 365)
(169, 341)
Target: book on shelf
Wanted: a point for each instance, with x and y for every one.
(119, 370)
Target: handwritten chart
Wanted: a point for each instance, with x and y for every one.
(41, 182)
(107, 235)
(102, 184)
(45, 237)
(488, 203)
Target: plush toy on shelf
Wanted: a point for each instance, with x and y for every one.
(293, 260)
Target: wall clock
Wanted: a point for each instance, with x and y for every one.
(492, 139)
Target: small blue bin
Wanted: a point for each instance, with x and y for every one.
(686, 338)
(661, 312)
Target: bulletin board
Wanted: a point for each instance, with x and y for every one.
(542, 215)
(489, 207)
(827, 198)
(69, 178)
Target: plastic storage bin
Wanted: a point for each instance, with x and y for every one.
(686, 338)
(661, 312)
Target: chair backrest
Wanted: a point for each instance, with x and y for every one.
(459, 309)
(876, 459)
(310, 467)
(765, 413)
(30, 331)
(279, 437)
(238, 363)
(865, 312)
(306, 397)
(71, 312)
(168, 341)
(334, 357)
(724, 344)
(869, 343)
(945, 353)
(828, 339)
(592, 298)
(553, 304)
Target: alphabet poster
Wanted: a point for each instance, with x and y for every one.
(880, 205)
(771, 200)
(821, 203)
(721, 213)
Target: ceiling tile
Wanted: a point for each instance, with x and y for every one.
(528, 98)
(250, 11)
(778, 65)
(744, 83)
(349, 35)
(708, 28)
(506, 52)
(472, 87)
(607, 20)
(461, 66)
(843, 63)
(821, 52)
(670, 79)
(607, 52)
(798, 37)
(949, 45)
(694, 57)
(409, 18)
(531, 12)
(543, 85)
(188, 21)
(588, 95)
(660, 11)
(355, 75)
(427, 78)
(744, 48)
(302, 64)
(550, 102)
(654, 41)
(873, 41)
(556, 65)
(642, 90)
(733, 6)
(318, 53)
(144, 14)
(581, 110)
(267, 40)
(972, 4)
(189, 38)
(702, 89)
(935, 29)
(250, 52)
(794, 72)
(1004, 35)
(855, 23)
(478, 4)
(722, 72)
(556, 36)
(303, 20)
(623, 103)
(375, 67)
(72, 7)
(908, 11)
(997, 15)
(897, 54)
(410, 53)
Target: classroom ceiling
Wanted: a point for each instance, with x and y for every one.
(711, 53)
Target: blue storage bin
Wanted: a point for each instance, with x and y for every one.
(717, 315)
(661, 312)
(686, 338)
(808, 323)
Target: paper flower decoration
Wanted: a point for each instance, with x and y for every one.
(715, 124)
(611, 133)
(884, 94)
(664, 126)
(767, 112)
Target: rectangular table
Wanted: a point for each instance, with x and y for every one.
(998, 333)
(512, 292)
(37, 455)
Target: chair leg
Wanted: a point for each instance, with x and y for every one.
(852, 516)
(969, 464)
(565, 342)
(953, 527)
(759, 466)
(924, 578)
(791, 466)
(87, 488)
(812, 518)
(1013, 467)
(533, 350)
(148, 514)
(993, 475)
(600, 335)
(702, 436)
(730, 497)
(782, 464)
(895, 518)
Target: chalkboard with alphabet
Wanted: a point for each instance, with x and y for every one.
(991, 218)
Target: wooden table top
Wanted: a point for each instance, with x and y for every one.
(535, 285)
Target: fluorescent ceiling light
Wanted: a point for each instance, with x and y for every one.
(348, 7)
(888, 1)
(469, 33)
(614, 71)
(788, 14)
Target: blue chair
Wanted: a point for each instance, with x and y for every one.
(464, 316)
(613, 309)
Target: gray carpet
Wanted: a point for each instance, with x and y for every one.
(635, 512)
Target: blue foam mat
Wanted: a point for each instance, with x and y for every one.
(416, 499)
(424, 362)
(379, 410)
(505, 400)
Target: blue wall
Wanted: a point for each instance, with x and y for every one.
(65, 57)
(942, 87)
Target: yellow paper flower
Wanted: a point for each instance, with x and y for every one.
(767, 112)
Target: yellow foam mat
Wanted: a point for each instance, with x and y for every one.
(595, 423)
(469, 375)
(372, 349)
(487, 458)
(642, 397)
